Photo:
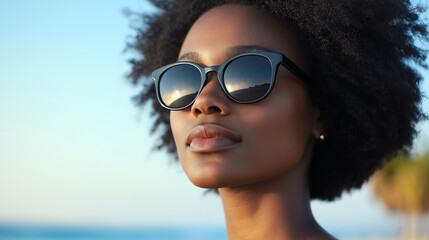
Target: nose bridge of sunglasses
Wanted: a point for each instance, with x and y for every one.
(210, 69)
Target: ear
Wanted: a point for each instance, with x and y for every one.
(318, 126)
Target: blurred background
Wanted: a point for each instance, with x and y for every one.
(76, 159)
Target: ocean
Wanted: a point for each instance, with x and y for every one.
(8, 232)
(25, 232)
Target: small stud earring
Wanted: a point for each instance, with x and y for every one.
(322, 137)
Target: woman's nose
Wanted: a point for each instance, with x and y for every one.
(212, 99)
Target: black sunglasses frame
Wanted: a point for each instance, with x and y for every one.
(274, 58)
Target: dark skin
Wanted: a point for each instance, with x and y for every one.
(262, 175)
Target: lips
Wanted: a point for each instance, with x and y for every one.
(211, 138)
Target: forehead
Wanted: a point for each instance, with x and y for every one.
(228, 26)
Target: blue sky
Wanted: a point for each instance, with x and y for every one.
(73, 148)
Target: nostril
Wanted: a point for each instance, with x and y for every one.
(214, 109)
(198, 111)
(209, 110)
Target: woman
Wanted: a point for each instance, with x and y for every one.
(275, 103)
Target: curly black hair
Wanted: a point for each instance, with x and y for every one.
(359, 53)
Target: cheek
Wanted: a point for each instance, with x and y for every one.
(178, 125)
(279, 132)
(179, 122)
(175, 125)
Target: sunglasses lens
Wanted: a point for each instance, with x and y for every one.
(179, 85)
(248, 78)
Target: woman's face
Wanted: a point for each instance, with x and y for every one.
(238, 144)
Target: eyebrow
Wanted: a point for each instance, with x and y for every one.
(232, 51)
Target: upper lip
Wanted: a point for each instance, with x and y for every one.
(211, 131)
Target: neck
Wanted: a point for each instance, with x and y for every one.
(276, 209)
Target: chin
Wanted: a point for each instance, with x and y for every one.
(206, 170)
(220, 178)
(207, 179)
(208, 184)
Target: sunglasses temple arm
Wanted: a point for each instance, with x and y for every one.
(296, 70)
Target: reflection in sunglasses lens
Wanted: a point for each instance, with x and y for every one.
(248, 78)
(179, 85)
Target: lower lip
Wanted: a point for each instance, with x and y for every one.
(211, 144)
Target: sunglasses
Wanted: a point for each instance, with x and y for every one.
(245, 78)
